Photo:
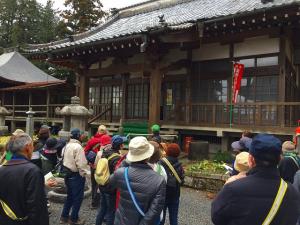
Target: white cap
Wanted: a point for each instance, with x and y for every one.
(102, 129)
(18, 132)
(139, 149)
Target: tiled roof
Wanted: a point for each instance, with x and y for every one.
(139, 19)
(15, 67)
(36, 85)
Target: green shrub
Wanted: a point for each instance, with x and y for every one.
(206, 166)
(223, 157)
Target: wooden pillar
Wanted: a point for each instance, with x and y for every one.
(48, 104)
(282, 81)
(84, 90)
(29, 100)
(188, 88)
(13, 122)
(14, 103)
(155, 96)
(3, 98)
(124, 96)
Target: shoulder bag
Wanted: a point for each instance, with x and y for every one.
(167, 162)
(277, 202)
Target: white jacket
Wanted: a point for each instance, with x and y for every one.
(74, 158)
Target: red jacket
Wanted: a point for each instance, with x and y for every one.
(92, 142)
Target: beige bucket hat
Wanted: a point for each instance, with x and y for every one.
(139, 149)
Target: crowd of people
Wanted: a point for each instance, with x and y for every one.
(139, 185)
(136, 186)
(264, 184)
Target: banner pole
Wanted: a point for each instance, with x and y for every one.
(231, 97)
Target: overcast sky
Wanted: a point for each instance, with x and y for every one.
(107, 4)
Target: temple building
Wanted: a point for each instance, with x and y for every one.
(170, 62)
(23, 86)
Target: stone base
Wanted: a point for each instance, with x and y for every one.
(205, 182)
(64, 134)
(3, 130)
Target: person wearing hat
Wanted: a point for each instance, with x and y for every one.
(262, 197)
(241, 166)
(148, 187)
(241, 145)
(108, 193)
(43, 135)
(91, 149)
(105, 144)
(75, 163)
(49, 155)
(290, 162)
(173, 185)
(156, 133)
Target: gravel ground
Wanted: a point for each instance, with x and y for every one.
(194, 209)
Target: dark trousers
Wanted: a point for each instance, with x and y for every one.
(107, 209)
(173, 212)
(75, 192)
(95, 194)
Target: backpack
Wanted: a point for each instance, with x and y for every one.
(294, 157)
(173, 177)
(102, 172)
(60, 170)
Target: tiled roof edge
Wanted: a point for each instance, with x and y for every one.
(126, 12)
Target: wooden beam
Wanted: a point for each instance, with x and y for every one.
(183, 63)
(116, 69)
(84, 90)
(124, 97)
(282, 79)
(188, 90)
(180, 37)
(239, 37)
(48, 103)
(155, 96)
(29, 100)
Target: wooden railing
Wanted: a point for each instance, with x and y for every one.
(102, 112)
(259, 114)
(43, 111)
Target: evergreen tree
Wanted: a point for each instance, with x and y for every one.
(8, 10)
(48, 24)
(82, 15)
(26, 27)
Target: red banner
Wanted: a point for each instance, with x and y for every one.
(238, 72)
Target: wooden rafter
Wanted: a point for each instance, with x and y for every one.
(117, 69)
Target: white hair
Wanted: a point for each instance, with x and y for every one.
(18, 142)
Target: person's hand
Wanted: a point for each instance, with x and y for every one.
(51, 183)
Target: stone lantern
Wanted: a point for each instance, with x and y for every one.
(30, 122)
(74, 115)
(3, 113)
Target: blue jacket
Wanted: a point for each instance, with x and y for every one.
(149, 189)
(248, 201)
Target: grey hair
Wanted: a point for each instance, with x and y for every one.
(17, 143)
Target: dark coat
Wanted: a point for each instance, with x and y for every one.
(149, 189)
(288, 168)
(248, 201)
(22, 188)
(173, 193)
